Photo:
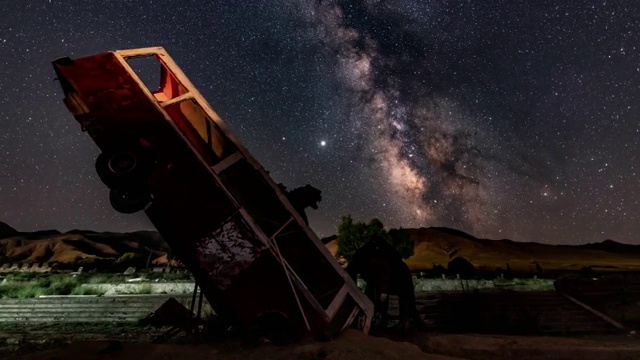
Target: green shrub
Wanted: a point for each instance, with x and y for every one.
(21, 276)
(143, 289)
(9, 291)
(83, 290)
(106, 279)
(27, 292)
(62, 285)
(44, 282)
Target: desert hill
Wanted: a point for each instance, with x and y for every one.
(439, 245)
(612, 246)
(53, 246)
(432, 246)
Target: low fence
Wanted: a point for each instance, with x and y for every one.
(26, 267)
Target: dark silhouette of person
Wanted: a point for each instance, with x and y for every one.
(381, 266)
(302, 198)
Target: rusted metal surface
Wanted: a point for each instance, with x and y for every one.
(250, 250)
(227, 251)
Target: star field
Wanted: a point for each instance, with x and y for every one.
(505, 119)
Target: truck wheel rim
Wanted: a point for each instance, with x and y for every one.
(122, 163)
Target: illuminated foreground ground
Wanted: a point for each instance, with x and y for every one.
(351, 345)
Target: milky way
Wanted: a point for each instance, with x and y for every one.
(507, 119)
(423, 146)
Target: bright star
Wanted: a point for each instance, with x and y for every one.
(323, 143)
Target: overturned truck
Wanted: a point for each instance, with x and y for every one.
(165, 151)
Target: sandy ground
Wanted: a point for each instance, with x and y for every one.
(350, 345)
(357, 346)
(491, 347)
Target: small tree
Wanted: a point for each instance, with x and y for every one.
(353, 235)
(401, 240)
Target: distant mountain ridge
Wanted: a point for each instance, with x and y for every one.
(433, 246)
(69, 247)
(6, 230)
(612, 246)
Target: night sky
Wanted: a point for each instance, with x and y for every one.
(505, 119)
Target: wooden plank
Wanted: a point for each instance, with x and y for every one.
(129, 53)
(176, 100)
(226, 162)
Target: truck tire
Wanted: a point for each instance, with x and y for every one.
(129, 200)
(122, 167)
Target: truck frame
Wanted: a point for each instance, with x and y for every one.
(166, 152)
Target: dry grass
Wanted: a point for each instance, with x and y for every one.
(19, 286)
